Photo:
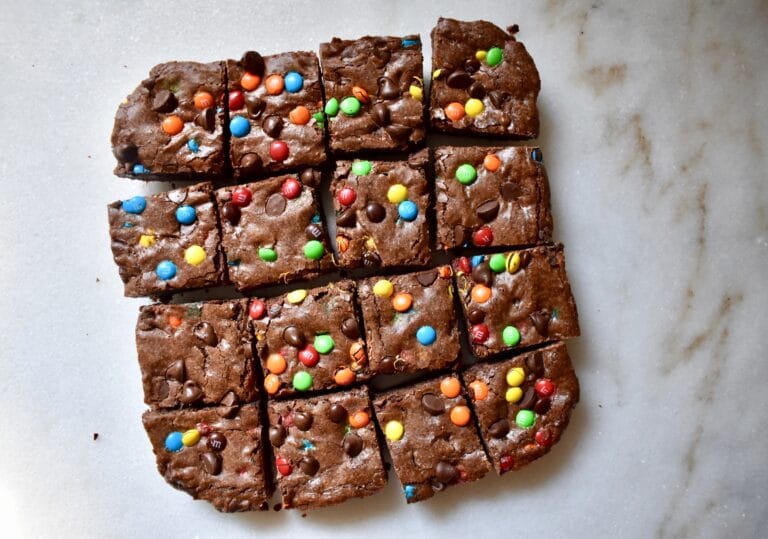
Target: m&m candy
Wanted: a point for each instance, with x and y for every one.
(293, 82)
(173, 442)
(186, 215)
(239, 126)
(166, 270)
(134, 205)
(407, 210)
(426, 335)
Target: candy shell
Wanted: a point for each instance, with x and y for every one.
(239, 126)
(166, 270)
(397, 193)
(186, 215)
(350, 106)
(314, 250)
(274, 84)
(302, 381)
(450, 387)
(383, 288)
(454, 111)
(249, 81)
(426, 335)
(134, 205)
(173, 125)
(173, 442)
(394, 430)
(190, 437)
(194, 255)
(466, 174)
(294, 82)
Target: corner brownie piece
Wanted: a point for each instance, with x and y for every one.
(431, 435)
(374, 93)
(275, 113)
(410, 321)
(491, 197)
(326, 449)
(483, 81)
(213, 454)
(523, 404)
(309, 340)
(272, 231)
(166, 242)
(196, 354)
(516, 299)
(381, 211)
(172, 125)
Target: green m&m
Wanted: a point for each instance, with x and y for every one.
(466, 174)
(267, 254)
(324, 343)
(361, 168)
(525, 418)
(332, 107)
(497, 263)
(510, 335)
(302, 381)
(494, 56)
(314, 250)
(350, 106)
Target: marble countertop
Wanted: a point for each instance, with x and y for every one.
(654, 130)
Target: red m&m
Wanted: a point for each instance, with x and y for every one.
(346, 196)
(278, 150)
(241, 196)
(236, 100)
(291, 188)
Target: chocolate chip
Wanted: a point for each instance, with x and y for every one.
(498, 97)
(272, 125)
(346, 218)
(253, 63)
(459, 80)
(190, 393)
(309, 177)
(476, 316)
(398, 132)
(337, 413)
(255, 106)
(229, 405)
(211, 462)
(349, 329)
(499, 429)
(217, 441)
(535, 363)
(164, 101)
(353, 444)
(388, 89)
(433, 404)
(251, 162)
(380, 114)
(488, 210)
(302, 420)
(387, 365)
(274, 310)
(460, 235)
(529, 398)
(476, 90)
(471, 65)
(293, 336)
(482, 274)
(277, 435)
(510, 191)
(375, 212)
(207, 119)
(540, 320)
(426, 278)
(525, 258)
(314, 231)
(126, 153)
(309, 465)
(176, 371)
(445, 472)
(231, 213)
(204, 331)
(275, 204)
(542, 406)
(371, 260)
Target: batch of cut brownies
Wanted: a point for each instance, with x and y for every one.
(253, 392)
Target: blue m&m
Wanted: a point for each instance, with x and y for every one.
(239, 126)
(138, 168)
(135, 205)
(186, 215)
(193, 145)
(409, 491)
(477, 260)
(166, 270)
(407, 210)
(293, 82)
(426, 335)
(173, 442)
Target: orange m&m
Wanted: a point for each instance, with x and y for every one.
(360, 94)
(174, 321)
(274, 84)
(271, 383)
(344, 377)
(491, 162)
(203, 100)
(299, 116)
(479, 390)
(450, 387)
(359, 419)
(402, 302)
(454, 111)
(460, 415)
(276, 363)
(173, 125)
(480, 293)
(250, 81)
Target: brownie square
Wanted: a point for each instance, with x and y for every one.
(273, 232)
(196, 354)
(309, 340)
(410, 321)
(167, 242)
(431, 436)
(483, 81)
(326, 449)
(523, 404)
(275, 113)
(213, 454)
(172, 125)
(381, 211)
(374, 93)
(491, 197)
(516, 299)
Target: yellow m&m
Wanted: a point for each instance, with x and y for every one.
(296, 296)
(473, 107)
(190, 437)
(194, 255)
(383, 288)
(515, 376)
(397, 193)
(394, 430)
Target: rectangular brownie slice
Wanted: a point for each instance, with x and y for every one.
(491, 197)
(196, 354)
(381, 211)
(516, 299)
(431, 436)
(167, 242)
(272, 231)
(309, 340)
(275, 113)
(213, 454)
(523, 404)
(374, 93)
(484, 82)
(410, 321)
(172, 125)
(326, 449)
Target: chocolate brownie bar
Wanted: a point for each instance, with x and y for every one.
(196, 354)
(381, 211)
(523, 404)
(326, 450)
(172, 125)
(410, 322)
(167, 242)
(431, 435)
(374, 93)
(309, 340)
(213, 454)
(275, 113)
(272, 231)
(483, 81)
(516, 299)
(491, 197)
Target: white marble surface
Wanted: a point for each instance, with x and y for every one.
(654, 131)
